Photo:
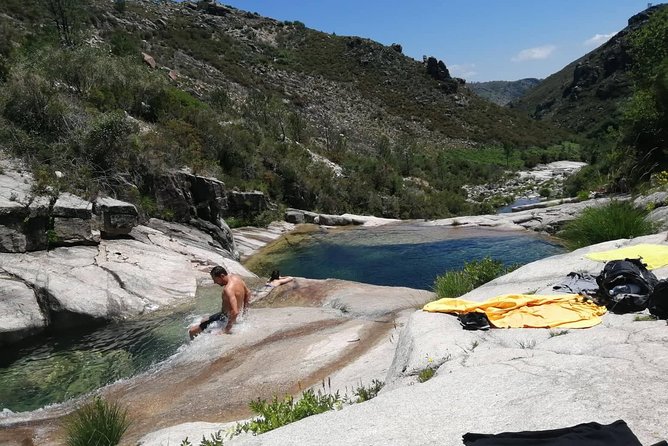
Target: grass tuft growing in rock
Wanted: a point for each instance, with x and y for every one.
(618, 219)
(98, 422)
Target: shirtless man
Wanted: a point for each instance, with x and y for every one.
(235, 296)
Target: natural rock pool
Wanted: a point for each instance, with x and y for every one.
(55, 368)
(403, 255)
(60, 366)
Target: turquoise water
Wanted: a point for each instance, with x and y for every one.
(406, 255)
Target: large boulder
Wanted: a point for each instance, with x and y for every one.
(24, 217)
(72, 221)
(115, 217)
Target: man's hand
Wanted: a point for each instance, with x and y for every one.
(194, 330)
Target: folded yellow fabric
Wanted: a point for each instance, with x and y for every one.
(655, 256)
(527, 310)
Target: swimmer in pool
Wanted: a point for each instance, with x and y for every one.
(235, 297)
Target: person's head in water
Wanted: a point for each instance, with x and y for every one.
(275, 275)
(219, 275)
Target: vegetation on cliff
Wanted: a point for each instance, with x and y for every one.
(317, 121)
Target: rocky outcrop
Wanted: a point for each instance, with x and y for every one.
(185, 197)
(24, 217)
(115, 217)
(204, 203)
(298, 216)
(246, 204)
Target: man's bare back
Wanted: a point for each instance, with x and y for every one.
(235, 296)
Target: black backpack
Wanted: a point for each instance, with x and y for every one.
(658, 300)
(624, 286)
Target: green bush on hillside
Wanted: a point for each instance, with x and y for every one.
(474, 274)
(617, 220)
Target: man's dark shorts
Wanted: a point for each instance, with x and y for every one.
(213, 318)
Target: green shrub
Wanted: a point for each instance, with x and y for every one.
(278, 413)
(365, 393)
(474, 274)
(426, 374)
(36, 106)
(616, 220)
(98, 423)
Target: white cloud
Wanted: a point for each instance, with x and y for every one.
(465, 71)
(539, 52)
(598, 39)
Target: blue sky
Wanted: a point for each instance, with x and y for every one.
(479, 40)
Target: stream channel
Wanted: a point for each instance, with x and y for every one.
(52, 369)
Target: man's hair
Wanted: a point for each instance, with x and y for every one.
(218, 271)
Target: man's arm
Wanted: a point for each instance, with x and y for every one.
(228, 294)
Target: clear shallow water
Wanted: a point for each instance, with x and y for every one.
(404, 255)
(55, 368)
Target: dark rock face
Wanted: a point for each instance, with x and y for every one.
(246, 203)
(437, 69)
(187, 196)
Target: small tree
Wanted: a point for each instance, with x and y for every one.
(66, 15)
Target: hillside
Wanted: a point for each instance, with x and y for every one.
(503, 92)
(586, 95)
(317, 121)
